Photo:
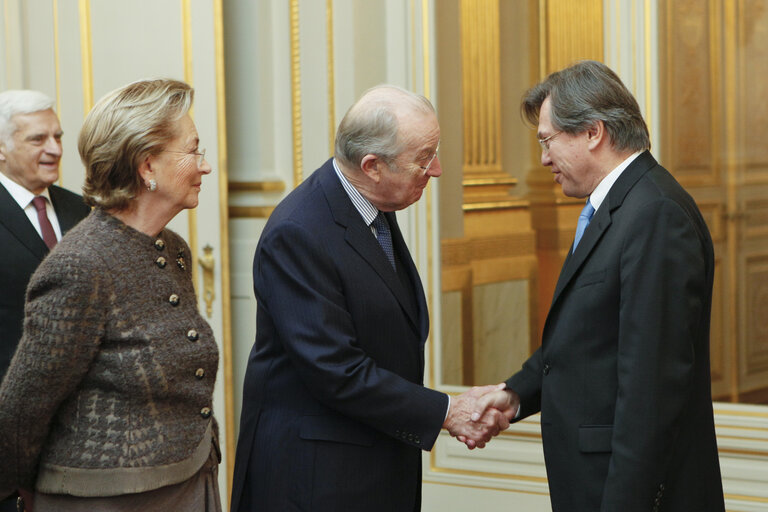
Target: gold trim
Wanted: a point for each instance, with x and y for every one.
(186, 38)
(425, 45)
(250, 212)
(223, 172)
(486, 474)
(478, 182)
(86, 55)
(256, 186)
(56, 66)
(753, 414)
(296, 93)
(331, 76)
(741, 497)
(495, 205)
(486, 487)
(648, 69)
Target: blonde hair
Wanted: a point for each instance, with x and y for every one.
(126, 126)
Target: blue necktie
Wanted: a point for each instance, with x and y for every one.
(584, 217)
(384, 236)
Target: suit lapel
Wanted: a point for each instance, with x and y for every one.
(17, 223)
(362, 240)
(67, 217)
(410, 270)
(602, 219)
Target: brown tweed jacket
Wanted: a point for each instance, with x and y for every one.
(110, 389)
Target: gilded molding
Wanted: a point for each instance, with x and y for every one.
(226, 294)
(186, 35)
(481, 71)
(296, 93)
(250, 212)
(256, 186)
(86, 55)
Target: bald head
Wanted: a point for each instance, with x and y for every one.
(373, 124)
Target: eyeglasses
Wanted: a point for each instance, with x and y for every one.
(431, 160)
(544, 143)
(199, 154)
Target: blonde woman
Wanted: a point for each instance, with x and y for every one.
(111, 387)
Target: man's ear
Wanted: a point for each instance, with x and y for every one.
(3, 158)
(372, 167)
(596, 134)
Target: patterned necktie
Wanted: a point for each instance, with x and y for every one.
(49, 237)
(584, 217)
(384, 236)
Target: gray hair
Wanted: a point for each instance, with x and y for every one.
(587, 92)
(126, 126)
(371, 125)
(15, 102)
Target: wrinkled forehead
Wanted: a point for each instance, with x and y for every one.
(42, 121)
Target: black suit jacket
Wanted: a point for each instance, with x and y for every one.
(622, 378)
(22, 250)
(334, 412)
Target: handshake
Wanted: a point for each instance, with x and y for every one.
(481, 413)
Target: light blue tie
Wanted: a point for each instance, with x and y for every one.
(384, 236)
(584, 217)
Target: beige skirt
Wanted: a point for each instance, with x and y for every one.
(198, 494)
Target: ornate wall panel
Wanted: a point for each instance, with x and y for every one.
(691, 91)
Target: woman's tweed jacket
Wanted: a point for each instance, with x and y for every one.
(110, 389)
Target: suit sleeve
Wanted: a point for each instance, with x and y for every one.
(527, 384)
(297, 279)
(664, 273)
(62, 332)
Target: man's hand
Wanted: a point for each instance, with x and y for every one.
(505, 401)
(475, 433)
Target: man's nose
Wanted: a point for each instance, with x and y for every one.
(53, 146)
(435, 170)
(545, 160)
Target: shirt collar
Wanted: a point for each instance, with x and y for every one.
(20, 194)
(597, 197)
(367, 211)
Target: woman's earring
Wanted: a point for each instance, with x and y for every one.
(152, 185)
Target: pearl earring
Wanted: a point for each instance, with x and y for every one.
(152, 185)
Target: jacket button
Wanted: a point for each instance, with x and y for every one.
(205, 412)
(192, 335)
(546, 369)
(199, 373)
(160, 262)
(159, 245)
(174, 299)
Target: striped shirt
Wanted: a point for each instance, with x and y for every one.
(364, 207)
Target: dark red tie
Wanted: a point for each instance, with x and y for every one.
(49, 237)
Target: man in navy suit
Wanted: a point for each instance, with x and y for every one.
(30, 150)
(622, 377)
(334, 411)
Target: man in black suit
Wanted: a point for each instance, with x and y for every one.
(622, 378)
(335, 415)
(30, 150)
